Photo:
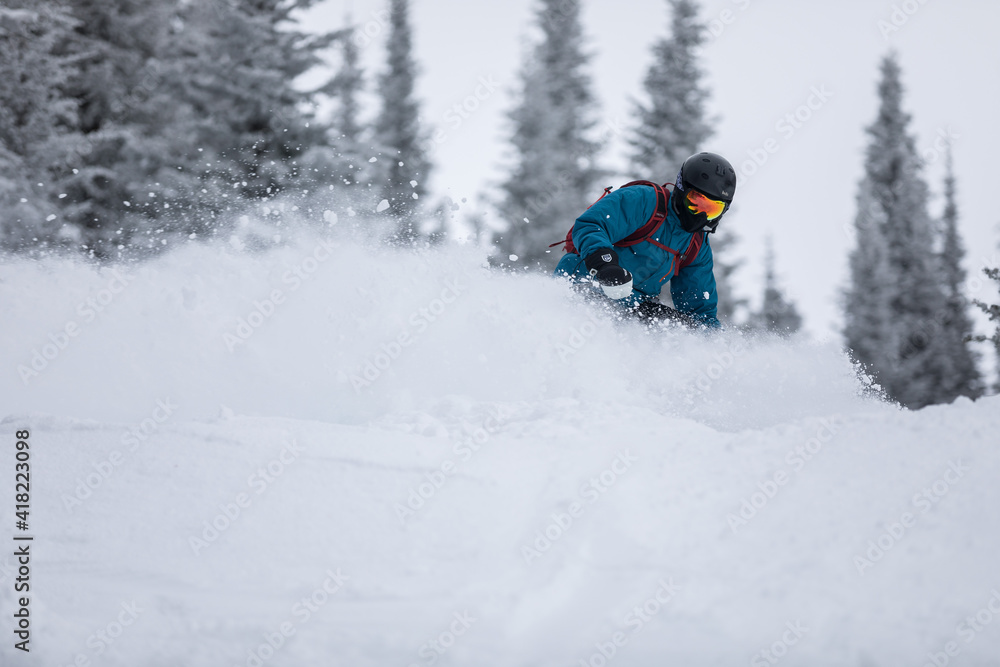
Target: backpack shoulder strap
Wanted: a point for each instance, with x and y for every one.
(693, 250)
(655, 221)
(567, 242)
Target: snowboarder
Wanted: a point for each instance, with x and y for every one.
(633, 240)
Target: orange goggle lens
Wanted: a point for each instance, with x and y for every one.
(699, 203)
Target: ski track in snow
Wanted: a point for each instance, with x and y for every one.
(501, 398)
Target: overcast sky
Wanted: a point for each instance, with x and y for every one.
(764, 60)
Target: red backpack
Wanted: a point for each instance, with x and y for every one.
(648, 230)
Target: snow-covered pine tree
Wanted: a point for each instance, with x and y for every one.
(405, 165)
(777, 313)
(671, 124)
(993, 312)
(866, 301)
(37, 120)
(234, 64)
(124, 120)
(554, 175)
(346, 87)
(962, 378)
(894, 300)
(724, 266)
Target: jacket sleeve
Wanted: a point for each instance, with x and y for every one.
(613, 218)
(693, 289)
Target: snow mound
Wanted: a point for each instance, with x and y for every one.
(342, 333)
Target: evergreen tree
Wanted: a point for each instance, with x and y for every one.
(554, 176)
(672, 125)
(233, 66)
(723, 243)
(962, 377)
(398, 131)
(895, 296)
(187, 108)
(109, 186)
(37, 120)
(777, 313)
(993, 312)
(866, 303)
(346, 87)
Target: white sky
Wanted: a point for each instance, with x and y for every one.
(760, 67)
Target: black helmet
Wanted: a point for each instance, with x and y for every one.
(713, 176)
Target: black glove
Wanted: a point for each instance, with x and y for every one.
(603, 267)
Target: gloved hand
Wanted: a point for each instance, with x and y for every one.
(614, 280)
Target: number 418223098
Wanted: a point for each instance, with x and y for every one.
(22, 479)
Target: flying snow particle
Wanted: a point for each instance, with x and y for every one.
(51, 217)
(416, 196)
(512, 258)
(382, 205)
(62, 196)
(413, 184)
(127, 203)
(374, 159)
(330, 217)
(705, 294)
(400, 164)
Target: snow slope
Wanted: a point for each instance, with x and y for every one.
(404, 458)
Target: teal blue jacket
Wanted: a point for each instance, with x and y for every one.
(623, 212)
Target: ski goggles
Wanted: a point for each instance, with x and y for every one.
(699, 203)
